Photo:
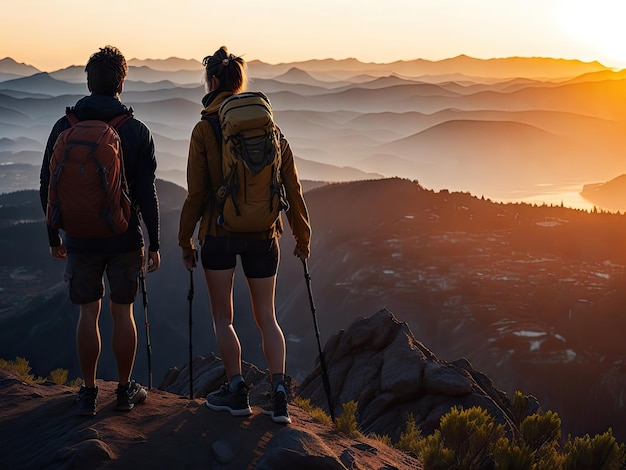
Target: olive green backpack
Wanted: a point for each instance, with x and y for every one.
(250, 194)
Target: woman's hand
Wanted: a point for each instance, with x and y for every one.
(190, 258)
(301, 251)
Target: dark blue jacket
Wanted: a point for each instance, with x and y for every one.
(139, 165)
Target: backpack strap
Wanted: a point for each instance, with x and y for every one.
(217, 129)
(215, 164)
(70, 115)
(117, 122)
(216, 197)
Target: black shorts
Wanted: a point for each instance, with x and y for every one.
(259, 258)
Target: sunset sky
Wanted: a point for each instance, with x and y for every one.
(53, 35)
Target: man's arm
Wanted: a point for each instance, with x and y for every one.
(146, 196)
(44, 179)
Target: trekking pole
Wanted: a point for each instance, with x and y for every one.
(190, 298)
(142, 279)
(307, 277)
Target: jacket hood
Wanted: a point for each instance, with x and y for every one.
(100, 107)
(212, 101)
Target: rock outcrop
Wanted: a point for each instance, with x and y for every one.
(378, 362)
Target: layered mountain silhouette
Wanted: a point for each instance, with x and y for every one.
(503, 128)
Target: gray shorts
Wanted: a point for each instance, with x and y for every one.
(84, 274)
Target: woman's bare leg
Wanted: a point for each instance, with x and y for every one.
(262, 292)
(220, 285)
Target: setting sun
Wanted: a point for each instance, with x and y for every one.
(598, 25)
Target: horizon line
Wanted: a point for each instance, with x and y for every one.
(458, 56)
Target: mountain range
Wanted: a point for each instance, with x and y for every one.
(504, 128)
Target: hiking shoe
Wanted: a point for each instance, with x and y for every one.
(129, 395)
(86, 401)
(276, 407)
(236, 403)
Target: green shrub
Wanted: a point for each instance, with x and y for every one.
(539, 430)
(509, 456)
(75, 383)
(548, 458)
(601, 452)
(317, 413)
(385, 439)
(411, 439)
(304, 403)
(468, 439)
(519, 407)
(347, 423)
(435, 455)
(20, 367)
(59, 376)
(520, 456)
(465, 437)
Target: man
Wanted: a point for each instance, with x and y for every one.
(121, 255)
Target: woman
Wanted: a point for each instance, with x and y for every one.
(259, 252)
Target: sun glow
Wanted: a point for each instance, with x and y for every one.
(599, 25)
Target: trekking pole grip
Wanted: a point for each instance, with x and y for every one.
(307, 278)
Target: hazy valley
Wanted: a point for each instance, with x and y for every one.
(508, 129)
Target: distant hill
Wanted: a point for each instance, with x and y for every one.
(530, 67)
(610, 195)
(44, 83)
(172, 64)
(146, 74)
(330, 173)
(72, 74)
(139, 71)
(600, 76)
(295, 75)
(11, 68)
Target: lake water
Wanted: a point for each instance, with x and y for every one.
(567, 194)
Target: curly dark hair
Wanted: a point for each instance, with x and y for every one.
(106, 71)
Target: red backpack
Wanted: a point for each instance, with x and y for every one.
(88, 193)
